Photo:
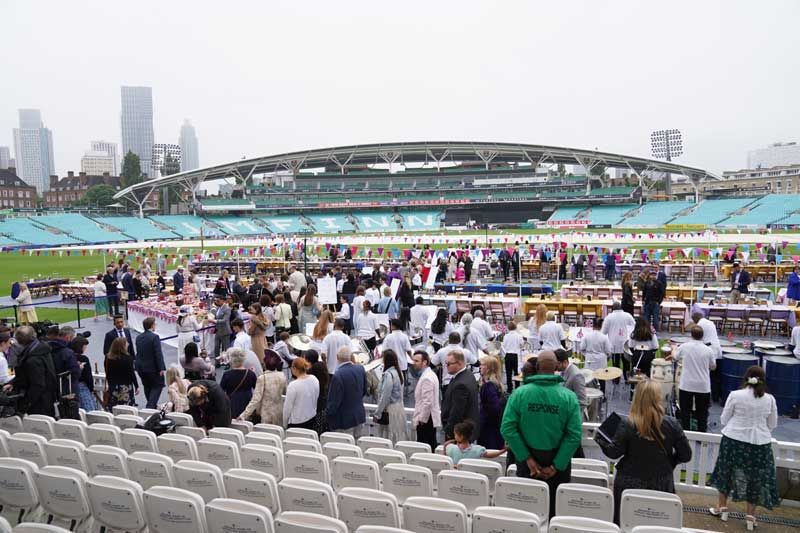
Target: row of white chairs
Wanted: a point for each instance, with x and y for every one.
(69, 497)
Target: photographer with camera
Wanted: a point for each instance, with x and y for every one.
(35, 374)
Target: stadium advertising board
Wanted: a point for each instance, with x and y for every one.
(572, 223)
(395, 202)
(685, 227)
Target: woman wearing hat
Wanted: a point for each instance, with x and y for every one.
(186, 327)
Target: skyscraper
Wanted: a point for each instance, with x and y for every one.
(189, 148)
(110, 149)
(33, 148)
(137, 124)
(5, 157)
(96, 163)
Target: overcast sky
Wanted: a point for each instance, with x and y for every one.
(264, 77)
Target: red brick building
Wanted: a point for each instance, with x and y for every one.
(15, 193)
(66, 191)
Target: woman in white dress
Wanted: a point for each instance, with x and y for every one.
(27, 313)
(186, 327)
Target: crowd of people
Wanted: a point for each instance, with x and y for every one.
(463, 394)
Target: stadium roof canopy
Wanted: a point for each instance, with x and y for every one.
(433, 153)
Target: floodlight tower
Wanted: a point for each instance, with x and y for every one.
(666, 144)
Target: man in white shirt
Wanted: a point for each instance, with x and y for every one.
(711, 339)
(618, 326)
(373, 294)
(427, 410)
(398, 341)
(481, 325)
(795, 341)
(512, 348)
(334, 341)
(297, 280)
(243, 342)
(473, 339)
(551, 333)
(695, 385)
(440, 357)
(419, 318)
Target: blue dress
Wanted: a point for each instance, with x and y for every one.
(491, 414)
(238, 384)
(793, 290)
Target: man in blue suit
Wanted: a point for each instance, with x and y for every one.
(119, 331)
(150, 362)
(345, 411)
(177, 281)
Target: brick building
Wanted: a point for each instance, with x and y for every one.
(66, 191)
(15, 193)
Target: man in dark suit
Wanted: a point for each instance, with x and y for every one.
(345, 409)
(127, 284)
(178, 280)
(461, 397)
(119, 331)
(740, 282)
(150, 362)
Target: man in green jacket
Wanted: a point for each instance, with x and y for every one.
(542, 426)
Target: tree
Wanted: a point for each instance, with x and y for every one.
(131, 170)
(98, 195)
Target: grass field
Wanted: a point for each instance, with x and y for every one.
(58, 315)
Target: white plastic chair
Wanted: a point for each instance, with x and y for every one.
(181, 419)
(301, 522)
(223, 514)
(302, 433)
(365, 443)
(307, 465)
(384, 457)
(201, 478)
(435, 462)
(405, 481)
(107, 461)
(220, 452)
(267, 439)
(532, 495)
(334, 436)
(355, 472)
(253, 486)
(178, 447)
(660, 529)
(381, 529)
(149, 469)
(577, 524)
(301, 444)
(639, 507)
(588, 501)
(147, 413)
(271, 428)
(34, 527)
(66, 428)
(124, 410)
(139, 440)
(69, 453)
(63, 496)
(231, 435)
(245, 426)
(433, 515)
(262, 458)
(490, 469)
(360, 507)
(39, 425)
(128, 421)
(589, 477)
(4, 443)
(469, 488)
(191, 431)
(117, 504)
(99, 417)
(174, 510)
(493, 519)
(332, 450)
(410, 447)
(28, 446)
(306, 495)
(12, 424)
(595, 465)
(104, 435)
(19, 499)
(5, 526)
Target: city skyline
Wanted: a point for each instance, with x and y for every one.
(468, 71)
(136, 124)
(33, 150)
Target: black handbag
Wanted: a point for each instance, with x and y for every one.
(384, 419)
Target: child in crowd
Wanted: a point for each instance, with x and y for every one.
(462, 447)
(176, 390)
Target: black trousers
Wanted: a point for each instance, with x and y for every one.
(371, 344)
(113, 304)
(701, 402)
(308, 424)
(544, 459)
(511, 362)
(152, 383)
(427, 433)
(618, 359)
(716, 382)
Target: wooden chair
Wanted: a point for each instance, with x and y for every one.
(676, 316)
(756, 319)
(778, 321)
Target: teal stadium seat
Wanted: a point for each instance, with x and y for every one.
(81, 227)
(655, 214)
(137, 228)
(711, 212)
(25, 230)
(769, 209)
(183, 225)
(231, 225)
